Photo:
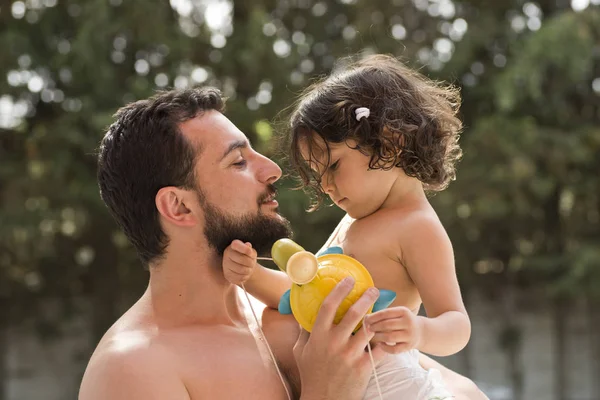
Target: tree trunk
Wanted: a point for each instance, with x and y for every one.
(556, 231)
(511, 340)
(105, 281)
(516, 372)
(560, 320)
(4, 325)
(593, 312)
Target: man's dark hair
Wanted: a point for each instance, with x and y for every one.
(143, 151)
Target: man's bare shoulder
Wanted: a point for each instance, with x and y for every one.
(129, 364)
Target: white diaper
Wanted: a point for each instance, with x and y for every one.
(401, 377)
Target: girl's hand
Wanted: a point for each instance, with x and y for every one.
(397, 329)
(239, 262)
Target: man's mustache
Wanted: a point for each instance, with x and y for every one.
(268, 194)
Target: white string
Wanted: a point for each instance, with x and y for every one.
(267, 343)
(373, 363)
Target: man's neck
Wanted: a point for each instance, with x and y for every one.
(187, 287)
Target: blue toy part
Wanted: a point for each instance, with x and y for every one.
(386, 297)
(284, 306)
(331, 250)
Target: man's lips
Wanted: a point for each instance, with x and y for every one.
(270, 203)
(269, 199)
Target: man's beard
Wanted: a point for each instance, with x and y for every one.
(259, 229)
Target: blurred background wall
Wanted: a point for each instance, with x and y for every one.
(523, 214)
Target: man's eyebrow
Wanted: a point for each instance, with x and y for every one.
(238, 144)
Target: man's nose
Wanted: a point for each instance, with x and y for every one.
(269, 171)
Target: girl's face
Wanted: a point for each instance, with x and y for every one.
(347, 179)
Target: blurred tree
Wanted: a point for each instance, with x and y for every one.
(525, 156)
(524, 212)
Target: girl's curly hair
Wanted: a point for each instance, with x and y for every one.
(413, 121)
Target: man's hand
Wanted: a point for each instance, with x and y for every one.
(239, 262)
(333, 364)
(396, 329)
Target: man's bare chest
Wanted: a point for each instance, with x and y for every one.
(230, 366)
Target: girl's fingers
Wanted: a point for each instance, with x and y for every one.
(241, 259)
(391, 337)
(242, 248)
(387, 325)
(237, 273)
(394, 348)
(388, 313)
(239, 269)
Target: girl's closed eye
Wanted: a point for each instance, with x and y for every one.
(334, 166)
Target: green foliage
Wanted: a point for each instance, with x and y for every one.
(525, 207)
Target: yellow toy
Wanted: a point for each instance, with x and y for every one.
(314, 277)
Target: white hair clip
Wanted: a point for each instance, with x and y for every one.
(362, 112)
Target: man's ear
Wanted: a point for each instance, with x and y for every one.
(171, 204)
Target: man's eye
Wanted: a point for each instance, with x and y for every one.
(241, 163)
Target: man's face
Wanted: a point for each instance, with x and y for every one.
(236, 191)
(260, 229)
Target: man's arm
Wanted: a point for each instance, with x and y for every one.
(114, 375)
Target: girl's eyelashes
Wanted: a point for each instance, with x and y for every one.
(334, 166)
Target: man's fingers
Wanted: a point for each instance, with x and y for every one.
(300, 343)
(377, 352)
(359, 340)
(324, 320)
(357, 311)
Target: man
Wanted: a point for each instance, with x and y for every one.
(183, 182)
